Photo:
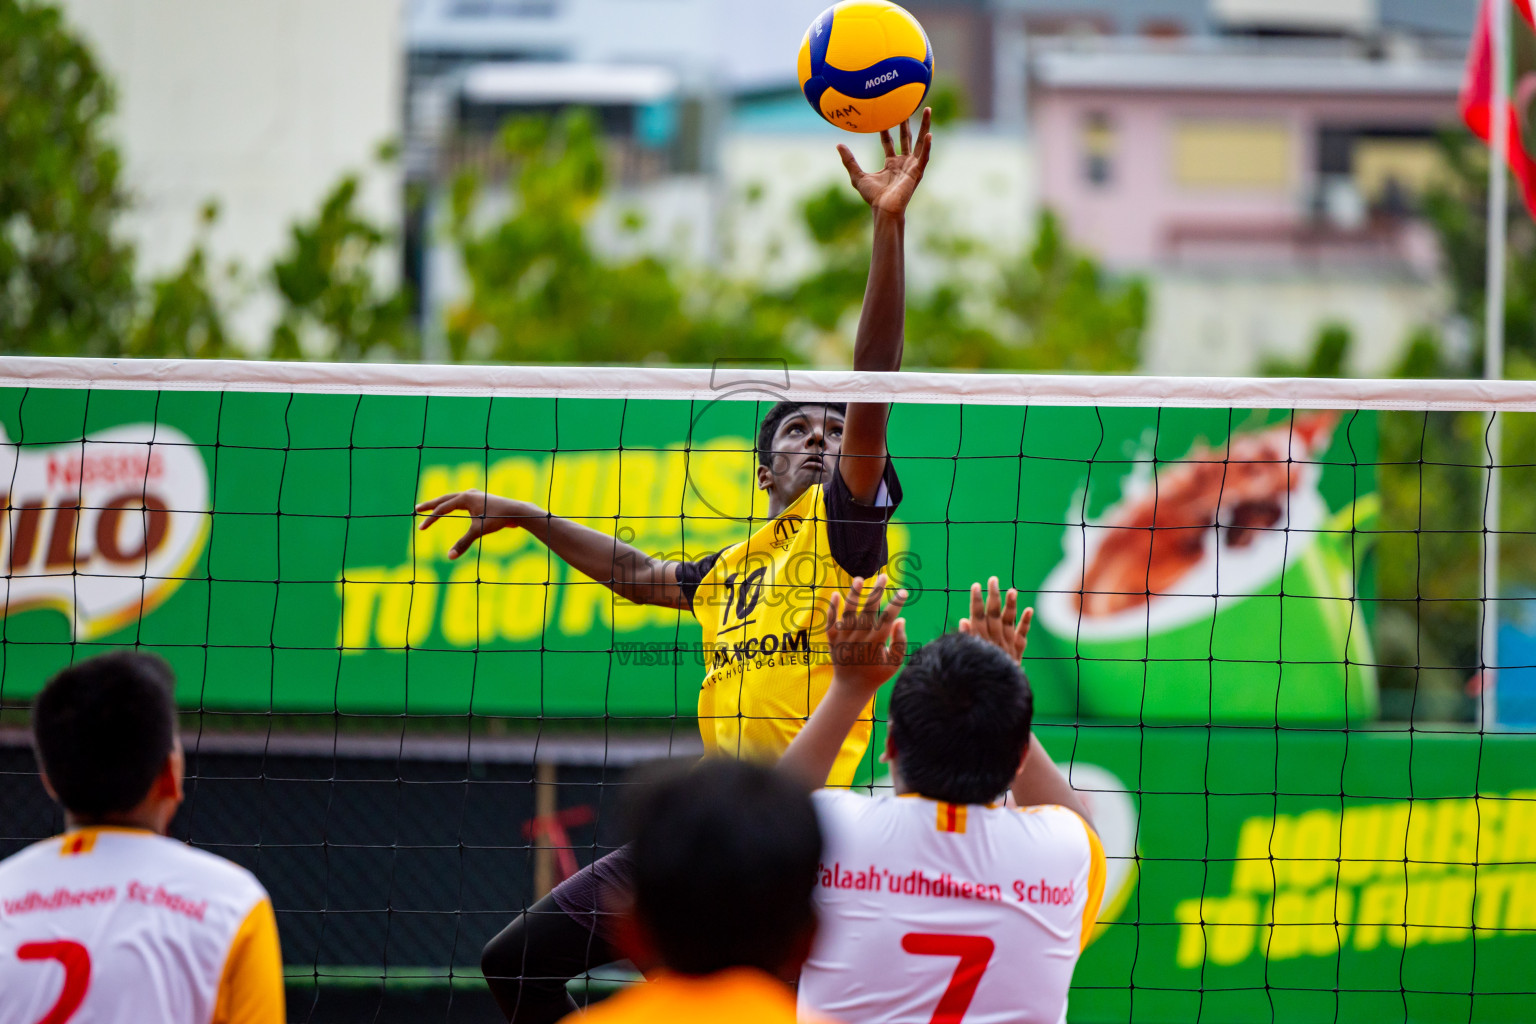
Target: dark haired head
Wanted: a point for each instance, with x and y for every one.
(960, 717)
(725, 859)
(777, 415)
(102, 730)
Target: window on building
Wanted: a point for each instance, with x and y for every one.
(1390, 169)
(1393, 174)
(1099, 149)
(1234, 153)
(504, 8)
(1296, 15)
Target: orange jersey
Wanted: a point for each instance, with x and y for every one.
(740, 995)
(123, 926)
(761, 604)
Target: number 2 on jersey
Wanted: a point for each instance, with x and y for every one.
(76, 962)
(974, 951)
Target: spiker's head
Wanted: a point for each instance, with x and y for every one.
(798, 445)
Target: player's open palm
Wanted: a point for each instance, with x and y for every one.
(487, 514)
(889, 189)
(997, 620)
(868, 644)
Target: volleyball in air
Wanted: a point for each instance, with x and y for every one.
(865, 65)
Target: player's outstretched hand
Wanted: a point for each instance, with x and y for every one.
(998, 621)
(487, 514)
(889, 189)
(867, 645)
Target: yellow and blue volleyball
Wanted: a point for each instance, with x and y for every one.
(865, 65)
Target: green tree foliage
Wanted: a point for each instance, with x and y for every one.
(1457, 209)
(539, 292)
(1069, 314)
(332, 306)
(66, 283)
(185, 318)
(1329, 358)
(949, 100)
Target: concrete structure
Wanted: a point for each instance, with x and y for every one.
(738, 45)
(980, 185)
(1167, 156)
(1451, 19)
(1267, 189)
(258, 105)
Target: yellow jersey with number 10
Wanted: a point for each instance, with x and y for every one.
(762, 606)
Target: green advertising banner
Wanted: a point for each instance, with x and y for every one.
(1308, 875)
(273, 556)
(1202, 644)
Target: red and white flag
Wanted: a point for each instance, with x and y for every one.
(1477, 91)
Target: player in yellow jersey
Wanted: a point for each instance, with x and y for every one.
(831, 490)
(113, 922)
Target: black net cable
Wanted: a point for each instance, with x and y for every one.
(396, 840)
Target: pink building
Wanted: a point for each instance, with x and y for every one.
(1222, 153)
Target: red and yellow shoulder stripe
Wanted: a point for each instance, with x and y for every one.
(75, 843)
(951, 817)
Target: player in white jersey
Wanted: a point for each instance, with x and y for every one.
(941, 904)
(114, 922)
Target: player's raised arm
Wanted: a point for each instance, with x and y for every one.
(996, 619)
(867, 646)
(623, 568)
(882, 321)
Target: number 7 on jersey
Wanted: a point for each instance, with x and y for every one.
(974, 951)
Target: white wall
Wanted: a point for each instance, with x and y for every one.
(744, 43)
(1227, 324)
(261, 105)
(979, 184)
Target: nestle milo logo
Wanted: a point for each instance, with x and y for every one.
(881, 80)
(102, 529)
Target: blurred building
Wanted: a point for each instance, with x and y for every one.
(658, 74)
(1262, 161)
(258, 105)
(709, 138)
(1267, 189)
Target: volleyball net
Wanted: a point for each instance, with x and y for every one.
(1283, 636)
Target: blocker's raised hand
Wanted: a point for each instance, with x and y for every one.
(998, 621)
(867, 645)
(889, 189)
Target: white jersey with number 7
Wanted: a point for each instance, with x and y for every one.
(936, 913)
(123, 926)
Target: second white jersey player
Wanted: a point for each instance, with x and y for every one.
(123, 926)
(937, 912)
